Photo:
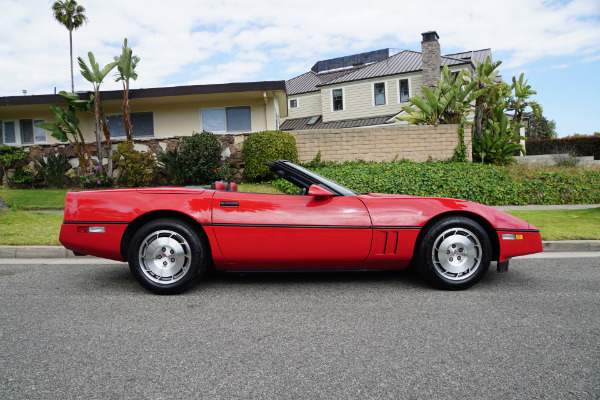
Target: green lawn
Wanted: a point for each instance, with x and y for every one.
(19, 227)
(564, 224)
(37, 199)
(29, 228)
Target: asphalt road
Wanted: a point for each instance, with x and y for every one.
(89, 331)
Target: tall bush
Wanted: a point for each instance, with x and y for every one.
(261, 147)
(9, 157)
(137, 167)
(200, 154)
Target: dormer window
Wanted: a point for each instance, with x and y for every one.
(403, 90)
(293, 103)
(379, 91)
(338, 99)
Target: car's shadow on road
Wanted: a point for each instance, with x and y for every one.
(118, 279)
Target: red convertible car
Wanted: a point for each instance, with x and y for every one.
(171, 235)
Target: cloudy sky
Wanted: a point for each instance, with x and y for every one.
(181, 42)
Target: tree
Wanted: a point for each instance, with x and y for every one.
(520, 101)
(126, 64)
(488, 90)
(70, 14)
(66, 127)
(96, 76)
(447, 103)
(540, 127)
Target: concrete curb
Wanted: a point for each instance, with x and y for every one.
(8, 252)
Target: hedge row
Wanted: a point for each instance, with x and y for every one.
(486, 184)
(582, 146)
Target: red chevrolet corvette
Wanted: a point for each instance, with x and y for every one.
(170, 236)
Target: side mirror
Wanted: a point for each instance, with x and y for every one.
(319, 192)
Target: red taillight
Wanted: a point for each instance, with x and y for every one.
(82, 229)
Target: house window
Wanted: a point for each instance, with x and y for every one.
(293, 103)
(338, 99)
(403, 90)
(379, 90)
(10, 136)
(230, 119)
(39, 134)
(142, 125)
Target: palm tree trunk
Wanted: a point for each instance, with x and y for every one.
(71, 52)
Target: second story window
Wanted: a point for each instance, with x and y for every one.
(293, 103)
(404, 90)
(379, 89)
(338, 99)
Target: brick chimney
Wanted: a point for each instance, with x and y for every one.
(432, 58)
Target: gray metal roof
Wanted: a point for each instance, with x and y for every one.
(299, 124)
(473, 56)
(403, 62)
(308, 82)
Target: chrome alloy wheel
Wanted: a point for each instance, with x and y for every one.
(456, 254)
(165, 257)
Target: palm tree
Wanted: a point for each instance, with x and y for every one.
(96, 76)
(70, 14)
(126, 64)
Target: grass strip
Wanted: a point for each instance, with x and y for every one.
(32, 228)
(29, 228)
(34, 199)
(564, 224)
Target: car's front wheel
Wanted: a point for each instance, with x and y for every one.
(455, 253)
(167, 256)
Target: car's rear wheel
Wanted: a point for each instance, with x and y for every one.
(455, 253)
(167, 256)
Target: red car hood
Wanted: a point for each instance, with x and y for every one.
(404, 210)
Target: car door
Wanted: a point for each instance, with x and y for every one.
(270, 231)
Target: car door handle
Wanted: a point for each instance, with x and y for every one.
(230, 204)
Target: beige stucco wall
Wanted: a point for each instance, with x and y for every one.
(173, 116)
(415, 143)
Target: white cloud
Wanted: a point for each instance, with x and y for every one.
(187, 41)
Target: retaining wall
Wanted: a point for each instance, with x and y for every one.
(386, 143)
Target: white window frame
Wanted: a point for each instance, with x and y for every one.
(297, 103)
(225, 132)
(398, 89)
(18, 140)
(385, 94)
(134, 137)
(343, 99)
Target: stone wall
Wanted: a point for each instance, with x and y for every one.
(386, 143)
(231, 151)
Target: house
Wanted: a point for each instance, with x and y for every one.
(156, 113)
(368, 89)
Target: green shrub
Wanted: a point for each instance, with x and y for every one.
(173, 163)
(10, 156)
(261, 147)
(95, 179)
(201, 154)
(52, 169)
(137, 167)
(482, 183)
(580, 145)
(25, 177)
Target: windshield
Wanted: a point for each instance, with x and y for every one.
(336, 187)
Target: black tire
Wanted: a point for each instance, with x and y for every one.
(167, 256)
(455, 254)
